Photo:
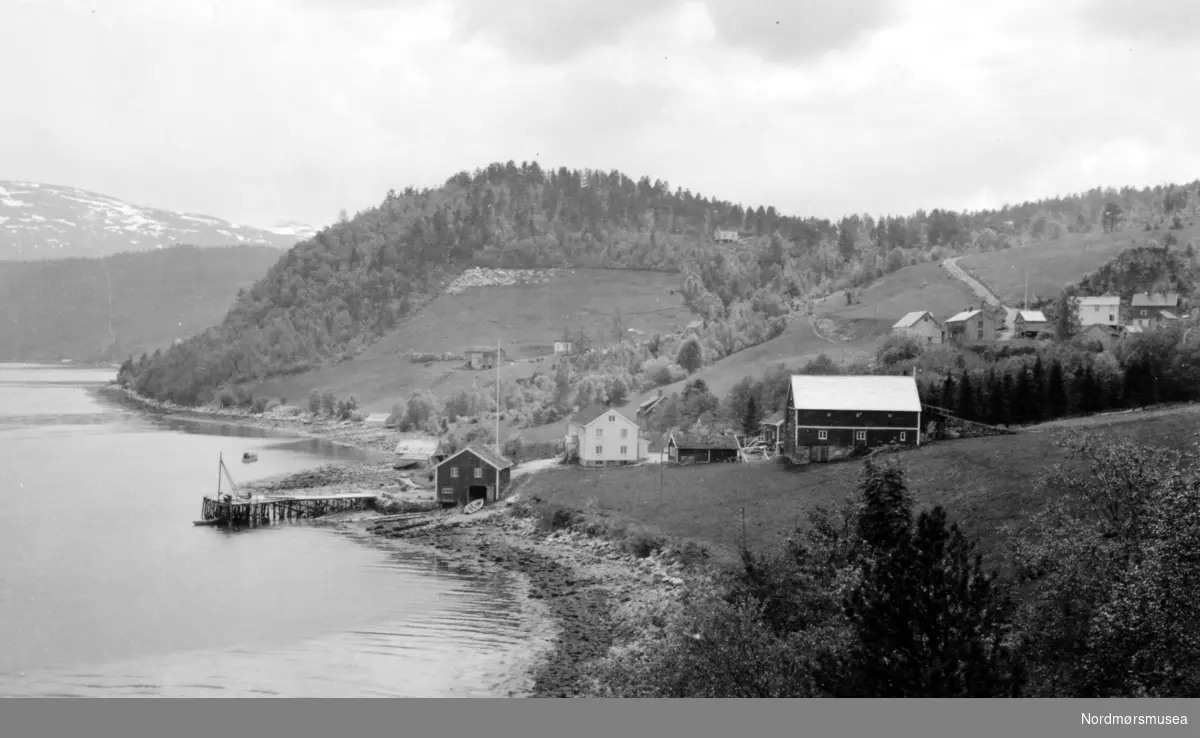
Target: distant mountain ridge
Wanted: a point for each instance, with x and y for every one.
(93, 309)
(43, 221)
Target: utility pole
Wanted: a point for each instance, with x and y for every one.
(1026, 290)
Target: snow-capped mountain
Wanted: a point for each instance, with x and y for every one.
(42, 221)
(292, 229)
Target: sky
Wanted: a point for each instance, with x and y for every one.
(261, 111)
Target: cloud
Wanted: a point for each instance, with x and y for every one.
(267, 110)
(1143, 21)
(798, 30)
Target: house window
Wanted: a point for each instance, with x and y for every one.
(860, 435)
(599, 450)
(612, 418)
(454, 472)
(479, 472)
(1110, 319)
(624, 450)
(624, 433)
(599, 432)
(822, 435)
(447, 491)
(903, 436)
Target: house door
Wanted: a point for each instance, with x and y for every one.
(860, 438)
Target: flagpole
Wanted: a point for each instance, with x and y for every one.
(498, 417)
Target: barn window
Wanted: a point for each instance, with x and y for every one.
(860, 435)
(599, 432)
(903, 436)
(479, 472)
(612, 418)
(624, 433)
(822, 435)
(858, 415)
(599, 450)
(447, 491)
(889, 415)
(624, 449)
(454, 472)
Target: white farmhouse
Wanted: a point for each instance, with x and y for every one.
(605, 436)
(1103, 310)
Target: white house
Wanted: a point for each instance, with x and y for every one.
(564, 347)
(1103, 310)
(605, 436)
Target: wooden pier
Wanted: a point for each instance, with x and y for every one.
(267, 509)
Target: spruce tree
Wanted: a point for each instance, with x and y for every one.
(928, 622)
(886, 515)
(1056, 391)
(966, 397)
(948, 393)
(751, 419)
(1023, 397)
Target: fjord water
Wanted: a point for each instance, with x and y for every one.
(107, 589)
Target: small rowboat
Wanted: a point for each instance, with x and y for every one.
(206, 522)
(473, 506)
(249, 457)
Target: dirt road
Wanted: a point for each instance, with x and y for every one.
(978, 288)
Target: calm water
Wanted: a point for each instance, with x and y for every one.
(107, 589)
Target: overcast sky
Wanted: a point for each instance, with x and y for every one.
(266, 110)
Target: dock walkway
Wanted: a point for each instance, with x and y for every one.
(265, 509)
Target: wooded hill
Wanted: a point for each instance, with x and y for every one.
(60, 309)
(334, 294)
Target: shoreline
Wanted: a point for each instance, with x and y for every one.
(570, 586)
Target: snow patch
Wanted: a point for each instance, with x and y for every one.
(14, 203)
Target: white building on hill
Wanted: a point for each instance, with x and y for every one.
(1103, 310)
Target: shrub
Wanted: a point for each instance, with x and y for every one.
(226, 398)
(259, 405)
(641, 544)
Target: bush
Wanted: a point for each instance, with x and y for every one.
(226, 398)
(259, 406)
(641, 544)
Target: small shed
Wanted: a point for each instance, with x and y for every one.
(771, 428)
(482, 358)
(377, 419)
(695, 449)
(416, 452)
(564, 348)
(646, 408)
(474, 473)
(1031, 323)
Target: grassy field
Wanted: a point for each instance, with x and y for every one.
(797, 345)
(527, 319)
(1052, 265)
(983, 483)
(921, 287)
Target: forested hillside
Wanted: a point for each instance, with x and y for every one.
(334, 294)
(89, 309)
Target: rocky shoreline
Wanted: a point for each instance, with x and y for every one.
(574, 586)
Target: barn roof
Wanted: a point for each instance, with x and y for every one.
(1031, 316)
(774, 419)
(911, 319)
(1100, 300)
(714, 442)
(965, 315)
(1165, 299)
(417, 448)
(866, 392)
(1168, 315)
(484, 453)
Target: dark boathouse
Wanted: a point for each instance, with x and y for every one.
(833, 415)
(474, 473)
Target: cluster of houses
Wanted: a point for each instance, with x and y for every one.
(824, 417)
(1100, 319)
